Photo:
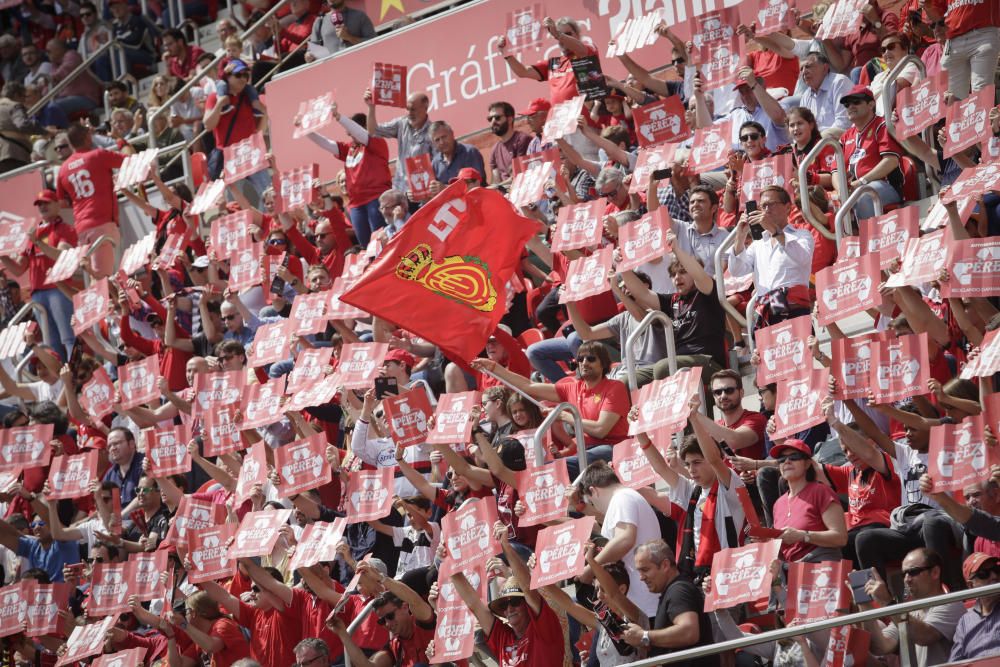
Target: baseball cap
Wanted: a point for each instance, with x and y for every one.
(46, 195)
(974, 562)
(200, 262)
(401, 356)
(859, 90)
(511, 451)
(791, 443)
(505, 328)
(468, 173)
(237, 66)
(536, 105)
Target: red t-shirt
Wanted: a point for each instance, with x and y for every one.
(965, 15)
(85, 180)
(541, 643)
(871, 495)
(607, 396)
(865, 44)
(52, 233)
(824, 249)
(367, 169)
(296, 32)
(804, 512)
(412, 651)
(182, 69)
(236, 646)
(369, 635)
(865, 148)
(244, 125)
(274, 633)
(758, 423)
(558, 71)
(776, 71)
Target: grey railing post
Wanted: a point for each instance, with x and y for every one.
(843, 217)
(840, 176)
(668, 333)
(552, 418)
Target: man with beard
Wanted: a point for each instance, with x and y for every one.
(513, 143)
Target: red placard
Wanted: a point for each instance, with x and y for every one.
(959, 455)
(741, 575)
(86, 640)
(302, 465)
(65, 265)
(524, 27)
(43, 604)
(848, 647)
(798, 402)
(314, 114)
(166, 447)
(271, 343)
(230, 234)
(311, 365)
(528, 186)
(209, 553)
(262, 402)
(630, 463)
(587, 276)
(369, 494)
(899, 368)
(389, 85)
(193, 514)
(132, 657)
(578, 226)
(852, 364)
(559, 551)
(973, 182)
(550, 155)
(360, 363)
(452, 425)
(318, 543)
(408, 415)
(258, 533)
(816, 591)
(96, 397)
(143, 570)
(848, 287)
(13, 609)
(923, 260)
(318, 393)
(759, 174)
(108, 590)
(660, 122)
(644, 240)
(886, 235)
(419, 176)
(543, 492)
(454, 635)
(25, 447)
(209, 196)
(171, 250)
(15, 234)
(562, 119)
(138, 382)
(215, 390)
(467, 533)
(773, 16)
(245, 267)
(841, 19)
(244, 158)
(649, 160)
(973, 268)
(221, 430)
(448, 597)
(782, 349)
(711, 146)
(309, 313)
(297, 188)
(967, 123)
(337, 309)
(69, 476)
(717, 45)
(90, 306)
(663, 404)
(987, 362)
(252, 472)
(920, 105)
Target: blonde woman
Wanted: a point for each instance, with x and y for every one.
(163, 87)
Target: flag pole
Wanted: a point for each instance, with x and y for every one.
(539, 404)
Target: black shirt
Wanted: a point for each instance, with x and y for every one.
(698, 323)
(682, 596)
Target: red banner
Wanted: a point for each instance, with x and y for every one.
(318, 543)
(920, 105)
(193, 514)
(660, 122)
(848, 647)
(711, 147)
(663, 404)
(816, 591)
(987, 362)
(230, 234)
(138, 382)
(221, 431)
(899, 368)
(408, 415)
(69, 476)
(297, 188)
(13, 609)
(15, 234)
(716, 45)
(543, 492)
(798, 403)
(967, 123)
(44, 602)
(559, 551)
(649, 160)
(562, 119)
(759, 174)
(587, 276)
(848, 287)
(467, 533)
(108, 590)
(143, 570)
(741, 575)
(973, 268)
(314, 114)
(578, 226)
(271, 343)
(90, 306)
(252, 472)
(369, 494)
(25, 447)
(302, 465)
(389, 85)
(209, 553)
(886, 235)
(959, 455)
(86, 640)
(166, 448)
(852, 364)
(451, 419)
(132, 657)
(258, 533)
(244, 158)
(454, 635)
(773, 16)
(419, 176)
(782, 349)
(632, 466)
(360, 364)
(644, 240)
(262, 402)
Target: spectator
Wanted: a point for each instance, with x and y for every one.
(451, 156)
(557, 71)
(340, 28)
(512, 143)
(824, 90)
(872, 154)
(759, 106)
(976, 633)
(95, 34)
(118, 98)
(15, 128)
(412, 132)
(232, 119)
(312, 651)
(181, 57)
(894, 49)
(39, 550)
(12, 67)
(134, 33)
(295, 29)
(50, 116)
(536, 113)
(38, 71)
(978, 517)
(852, 53)
(970, 53)
(81, 94)
(126, 465)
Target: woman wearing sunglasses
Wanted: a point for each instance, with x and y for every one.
(809, 514)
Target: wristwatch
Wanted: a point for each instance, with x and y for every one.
(808, 539)
(645, 639)
(878, 25)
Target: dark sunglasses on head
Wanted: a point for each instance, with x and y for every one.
(797, 456)
(724, 390)
(752, 136)
(917, 571)
(277, 242)
(589, 358)
(382, 620)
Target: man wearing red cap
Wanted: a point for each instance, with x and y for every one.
(450, 157)
(50, 237)
(536, 113)
(978, 632)
(872, 154)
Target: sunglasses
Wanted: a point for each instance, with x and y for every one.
(37, 524)
(854, 101)
(145, 490)
(62, 147)
(986, 572)
(277, 242)
(255, 589)
(589, 358)
(504, 605)
(490, 119)
(753, 136)
(382, 620)
(798, 456)
(724, 390)
(917, 571)
(228, 318)
(892, 46)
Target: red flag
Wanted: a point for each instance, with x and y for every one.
(451, 419)
(97, 395)
(886, 235)
(973, 267)
(741, 575)
(69, 476)
(209, 553)
(138, 382)
(959, 455)
(262, 402)
(407, 415)
(389, 85)
(360, 363)
(25, 447)
(467, 533)
(659, 122)
(847, 288)
(302, 465)
(419, 175)
(644, 240)
(258, 533)
(90, 306)
(852, 364)
(816, 591)
(369, 494)
(587, 276)
(782, 349)
(711, 146)
(166, 448)
(543, 492)
(559, 551)
(578, 226)
(759, 174)
(798, 403)
(900, 368)
(108, 590)
(663, 404)
(967, 123)
(244, 158)
(920, 105)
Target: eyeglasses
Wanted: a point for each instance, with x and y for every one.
(753, 136)
(854, 101)
(505, 604)
(62, 147)
(37, 524)
(310, 661)
(490, 119)
(144, 490)
(798, 456)
(228, 318)
(382, 620)
(891, 46)
(986, 572)
(724, 390)
(589, 358)
(277, 242)
(608, 194)
(917, 571)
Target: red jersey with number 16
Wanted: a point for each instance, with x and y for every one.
(85, 179)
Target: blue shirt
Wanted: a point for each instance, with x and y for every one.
(129, 481)
(58, 555)
(976, 636)
(465, 156)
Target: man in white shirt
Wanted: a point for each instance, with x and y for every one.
(823, 92)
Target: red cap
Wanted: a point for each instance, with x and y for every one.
(859, 90)
(974, 562)
(468, 173)
(402, 356)
(232, 207)
(791, 443)
(46, 195)
(536, 105)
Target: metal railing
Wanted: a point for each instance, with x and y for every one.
(668, 335)
(827, 624)
(751, 320)
(41, 316)
(840, 180)
(22, 369)
(888, 96)
(552, 418)
(843, 217)
(69, 78)
(720, 277)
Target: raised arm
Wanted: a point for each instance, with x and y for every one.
(854, 441)
(263, 579)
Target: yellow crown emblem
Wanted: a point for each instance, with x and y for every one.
(462, 279)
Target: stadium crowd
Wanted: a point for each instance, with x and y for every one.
(209, 457)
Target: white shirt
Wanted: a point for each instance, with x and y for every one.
(628, 507)
(727, 505)
(381, 453)
(775, 265)
(825, 102)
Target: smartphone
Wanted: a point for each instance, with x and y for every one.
(751, 206)
(858, 579)
(277, 282)
(76, 355)
(386, 387)
(662, 174)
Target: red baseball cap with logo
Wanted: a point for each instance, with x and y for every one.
(791, 443)
(46, 196)
(974, 562)
(536, 105)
